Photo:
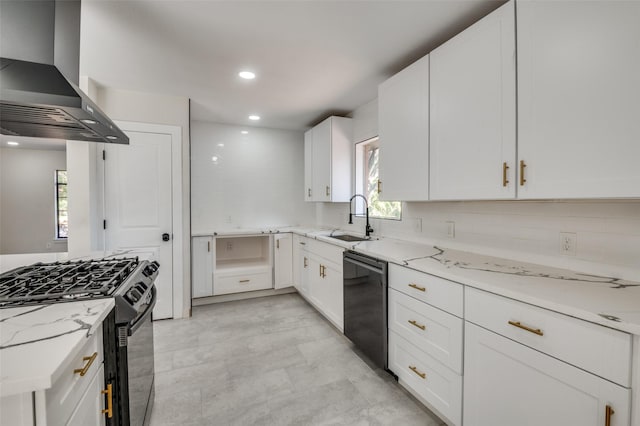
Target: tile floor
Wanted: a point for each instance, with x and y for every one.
(270, 361)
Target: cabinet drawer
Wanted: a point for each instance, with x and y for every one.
(594, 348)
(435, 384)
(61, 399)
(240, 283)
(328, 251)
(434, 331)
(441, 293)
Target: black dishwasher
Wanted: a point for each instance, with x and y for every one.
(365, 305)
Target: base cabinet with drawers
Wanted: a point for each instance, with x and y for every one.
(425, 339)
(77, 398)
(527, 366)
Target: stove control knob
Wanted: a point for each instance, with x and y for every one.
(151, 269)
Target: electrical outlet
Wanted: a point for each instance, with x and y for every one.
(451, 229)
(229, 246)
(417, 225)
(568, 243)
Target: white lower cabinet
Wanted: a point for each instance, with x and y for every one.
(89, 409)
(507, 383)
(528, 366)
(77, 397)
(319, 273)
(437, 386)
(282, 260)
(202, 271)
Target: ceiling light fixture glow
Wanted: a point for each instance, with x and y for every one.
(247, 75)
(221, 145)
(245, 132)
(254, 117)
(214, 158)
(12, 143)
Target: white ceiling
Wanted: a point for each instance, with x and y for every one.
(312, 58)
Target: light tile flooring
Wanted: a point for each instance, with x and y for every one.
(270, 361)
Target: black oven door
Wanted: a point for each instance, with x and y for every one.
(137, 368)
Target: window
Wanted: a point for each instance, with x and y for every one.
(62, 218)
(367, 178)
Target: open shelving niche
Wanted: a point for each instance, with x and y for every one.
(242, 254)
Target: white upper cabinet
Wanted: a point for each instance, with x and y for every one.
(473, 111)
(308, 164)
(328, 160)
(578, 98)
(403, 127)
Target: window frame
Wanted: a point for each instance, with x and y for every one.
(361, 170)
(57, 198)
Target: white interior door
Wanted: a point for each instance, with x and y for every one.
(138, 205)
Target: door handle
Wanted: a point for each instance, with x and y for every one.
(166, 237)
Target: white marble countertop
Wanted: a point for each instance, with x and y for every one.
(608, 301)
(36, 342)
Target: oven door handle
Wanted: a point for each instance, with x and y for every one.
(364, 265)
(147, 313)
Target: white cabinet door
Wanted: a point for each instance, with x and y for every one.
(578, 92)
(507, 383)
(321, 169)
(202, 270)
(298, 245)
(333, 294)
(328, 153)
(403, 127)
(308, 165)
(89, 409)
(282, 261)
(305, 273)
(472, 153)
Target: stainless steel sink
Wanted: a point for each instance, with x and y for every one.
(350, 238)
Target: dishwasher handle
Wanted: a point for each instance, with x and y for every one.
(365, 262)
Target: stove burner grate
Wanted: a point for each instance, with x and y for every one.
(71, 280)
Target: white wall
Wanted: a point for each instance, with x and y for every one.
(257, 180)
(608, 232)
(27, 200)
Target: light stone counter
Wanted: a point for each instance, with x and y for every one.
(36, 342)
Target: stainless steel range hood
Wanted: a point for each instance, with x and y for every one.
(39, 66)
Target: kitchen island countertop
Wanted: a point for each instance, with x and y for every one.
(37, 342)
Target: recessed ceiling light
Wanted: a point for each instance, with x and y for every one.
(12, 143)
(221, 145)
(254, 117)
(247, 75)
(87, 121)
(245, 132)
(112, 138)
(214, 158)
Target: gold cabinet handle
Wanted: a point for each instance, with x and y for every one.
(607, 415)
(522, 166)
(524, 327)
(379, 186)
(82, 371)
(417, 287)
(415, 323)
(415, 370)
(308, 192)
(278, 244)
(306, 262)
(244, 281)
(109, 392)
(208, 245)
(327, 191)
(505, 181)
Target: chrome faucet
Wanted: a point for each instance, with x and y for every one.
(368, 229)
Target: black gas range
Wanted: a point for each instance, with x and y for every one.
(127, 331)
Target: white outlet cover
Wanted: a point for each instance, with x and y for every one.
(451, 229)
(568, 243)
(417, 225)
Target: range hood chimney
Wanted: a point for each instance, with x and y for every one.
(39, 68)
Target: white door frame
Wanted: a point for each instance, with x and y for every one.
(176, 202)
